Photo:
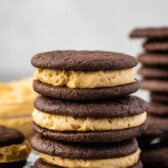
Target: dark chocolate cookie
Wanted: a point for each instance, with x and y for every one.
(154, 72)
(150, 32)
(159, 97)
(157, 127)
(155, 85)
(91, 137)
(83, 60)
(158, 108)
(123, 107)
(13, 164)
(155, 157)
(84, 94)
(41, 164)
(83, 151)
(156, 45)
(10, 136)
(153, 59)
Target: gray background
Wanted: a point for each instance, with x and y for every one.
(31, 26)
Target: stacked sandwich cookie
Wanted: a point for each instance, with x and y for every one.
(154, 71)
(14, 149)
(85, 116)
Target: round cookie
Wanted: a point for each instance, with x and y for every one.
(159, 97)
(154, 59)
(91, 137)
(14, 149)
(155, 85)
(121, 107)
(157, 108)
(155, 45)
(150, 32)
(84, 75)
(83, 151)
(84, 94)
(41, 164)
(154, 72)
(10, 136)
(83, 60)
(101, 121)
(155, 157)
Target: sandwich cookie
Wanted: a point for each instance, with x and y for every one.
(14, 149)
(124, 154)
(84, 75)
(102, 121)
(151, 32)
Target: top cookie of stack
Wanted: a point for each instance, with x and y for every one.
(84, 75)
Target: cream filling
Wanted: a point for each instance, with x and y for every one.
(15, 153)
(85, 79)
(120, 162)
(68, 123)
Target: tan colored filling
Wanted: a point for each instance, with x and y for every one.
(120, 162)
(17, 97)
(14, 153)
(88, 79)
(68, 123)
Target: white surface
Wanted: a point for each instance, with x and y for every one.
(29, 27)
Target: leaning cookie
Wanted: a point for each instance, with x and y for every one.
(84, 75)
(87, 122)
(87, 155)
(14, 149)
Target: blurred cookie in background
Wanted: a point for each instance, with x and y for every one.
(16, 105)
(14, 149)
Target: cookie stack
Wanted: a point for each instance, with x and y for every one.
(85, 116)
(154, 71)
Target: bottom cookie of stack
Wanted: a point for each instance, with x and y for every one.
(54, 153)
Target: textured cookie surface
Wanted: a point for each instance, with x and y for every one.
(41, 164)
(84, 94)
(123, 107)
(83, 60)
(83, 151)
(150, 32)
(91, 137)
(153, 59)
(10, 136)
